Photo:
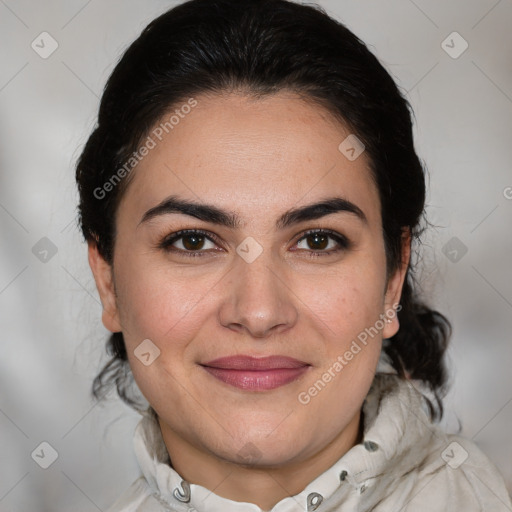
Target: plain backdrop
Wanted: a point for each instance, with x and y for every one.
(52, 337)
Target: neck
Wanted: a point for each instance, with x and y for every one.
(263, 486)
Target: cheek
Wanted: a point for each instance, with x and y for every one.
(158, 304)
(348, 301)
(347, 314)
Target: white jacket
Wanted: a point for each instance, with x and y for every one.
(405, 463)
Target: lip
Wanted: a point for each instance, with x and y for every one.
(243, 362)
(256, 374)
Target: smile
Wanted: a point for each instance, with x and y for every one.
(256, 374)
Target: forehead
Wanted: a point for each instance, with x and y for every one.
(251, 155)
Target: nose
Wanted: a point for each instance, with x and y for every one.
(258, 299)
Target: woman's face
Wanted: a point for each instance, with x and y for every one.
(253, 282)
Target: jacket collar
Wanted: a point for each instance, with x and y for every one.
(396, 429)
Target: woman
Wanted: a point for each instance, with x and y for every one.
(249, 197)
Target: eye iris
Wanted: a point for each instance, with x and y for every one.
(318, 238)
(194, 242)
(197, 240)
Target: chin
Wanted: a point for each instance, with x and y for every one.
(255, 447)
(254, 455)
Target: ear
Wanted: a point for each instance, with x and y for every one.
(103, 276)
(394, 287)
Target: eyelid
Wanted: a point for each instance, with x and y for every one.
(343, 241)
(166, 242)
(169, 239)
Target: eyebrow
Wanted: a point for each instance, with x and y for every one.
(215, 215)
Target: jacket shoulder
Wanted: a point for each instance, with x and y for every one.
(457, 475)
(138, 495)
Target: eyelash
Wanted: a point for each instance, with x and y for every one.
(167, 241)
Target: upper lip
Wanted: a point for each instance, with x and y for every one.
(244, 362)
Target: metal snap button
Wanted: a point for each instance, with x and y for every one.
(182, 494)
(314, 500)
(371, 446)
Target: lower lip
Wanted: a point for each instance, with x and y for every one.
(257, 380)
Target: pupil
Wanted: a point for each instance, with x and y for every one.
(319, 239)
(196, 240)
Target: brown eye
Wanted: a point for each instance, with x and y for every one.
(193, 242)
(317, 241)
(323, 243)
(188, 243)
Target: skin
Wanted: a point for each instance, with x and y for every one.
(258, 158)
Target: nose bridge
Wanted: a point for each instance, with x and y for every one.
(259, 278)
(258, 300)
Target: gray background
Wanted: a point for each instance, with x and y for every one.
(53, 339)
